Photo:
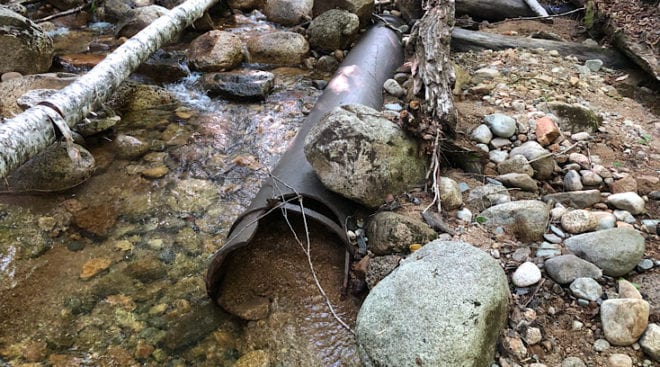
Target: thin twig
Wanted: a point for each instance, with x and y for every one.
(435, 171)
(534, 293)
(553, 154)
(535, 18)
(77, 9)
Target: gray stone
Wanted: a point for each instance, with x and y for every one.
(572, 362)
(575, 199)
(624, 216)
(379, 267)
(392, 87)
(327, 63)
(288, 12)
(619, 360)
(363, 156)
(526, 219)
(31, 48)
(482, 134)
(616, 251)
(485, 196)
(498, 143)
(645, 265)
(519, 180)
(278, 48)
(216, 51)
(527, 274)
(601, 345)
(515, 164)
(242, 85)
(629, 201)
(572, 181)
(389, 233)
(566, 268)
(362, 8)
(552, 238)
(605, 220)
(484, 74)
(333, 30)
(590, 178)
(582, 160)
(581, 136)
(547, 249)
(594, 64)
(586, 288)
(579, 221)
(650, 341)
(389, 334)
(498, 156)
(543, 163)
(501, 125)
(450, 194)
(624, 320)
(465, 215)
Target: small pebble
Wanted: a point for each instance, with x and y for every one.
(527, 274)
(576, 325)
(619, 360)
(645, 265)
(601, 345)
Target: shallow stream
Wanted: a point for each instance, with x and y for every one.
(111, 273)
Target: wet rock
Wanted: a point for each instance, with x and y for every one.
(216, 51)
(255, 358)
(379, 267)
(146, 269)
(363, 156)
(191, 327)
(192, 196)
(485, 196)
(501, 125)
(519, 180)
(390, 232)
(155, 172)
(93, 126)
(143, 350)
(629, 201)
(572, 181)
(164, 67)
(327, 63)
(482, 134)
(34, 351)
(31, 48)
(392, 87)
(138, 19)
(546, 130)
(241, 85)
(574, 117)
(586, 288)
(11, 90)
(333, 30)
(96, 221)
(616, 251)
(525, 218)
(130, 147)
(650, 341)
(134, 98)
(245, 4)
(624, 320)
(361, 8)
(533, 151)
(565, 269)
(278, 48)
(51, 170)
(515, 164)
(575, 199)
(579, 221)
(288, 12)
(426, 282)
(527, 274)
(450, 194)
(93, 267)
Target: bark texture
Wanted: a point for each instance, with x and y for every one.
(464, 40)
(32, 131)
(432, 70)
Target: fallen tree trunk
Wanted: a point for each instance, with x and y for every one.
(25, 135)
(493, 10)
(463, 40)
(537, 8)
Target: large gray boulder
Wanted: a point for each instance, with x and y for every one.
(616, 251)
(288, 12)
(363, 156)
(216, 51)
(527, 219)
(443, 306)
(362, 8)
(278, 48)
(334, 29)
(31, 48)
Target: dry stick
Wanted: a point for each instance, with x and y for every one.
(63, 13)
(435, 170)
(534, 293)
(547, 17)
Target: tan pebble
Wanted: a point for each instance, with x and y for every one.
(628, 290)
(93, 267)
(155, 172)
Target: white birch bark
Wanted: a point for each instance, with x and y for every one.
(537, 8)
(32, 131)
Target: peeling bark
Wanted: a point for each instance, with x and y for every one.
(432, 70)
(27, 134)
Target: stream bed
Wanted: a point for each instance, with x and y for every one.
(111, 272)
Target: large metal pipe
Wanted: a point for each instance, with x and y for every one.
(359, 80)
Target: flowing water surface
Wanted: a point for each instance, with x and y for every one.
(111, 273)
